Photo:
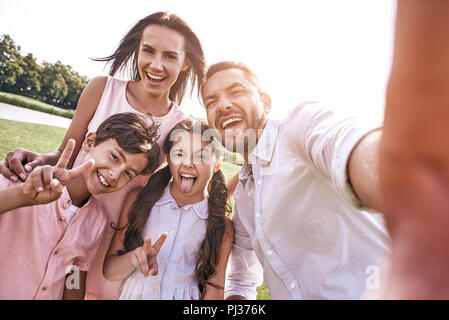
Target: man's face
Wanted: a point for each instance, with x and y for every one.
(236, 108)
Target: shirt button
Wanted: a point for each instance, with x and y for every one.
(44, 288)
(56, 252)
(269, 252)
(257, 214)
(259, 181)
(61, 219)
(69, 202)
(292, 285)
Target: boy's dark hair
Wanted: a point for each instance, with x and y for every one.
(209, 253)
(134, 133)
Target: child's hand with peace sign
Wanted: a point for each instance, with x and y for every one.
(46, 183)
(144, 258)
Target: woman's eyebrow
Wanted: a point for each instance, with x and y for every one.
(150, 47)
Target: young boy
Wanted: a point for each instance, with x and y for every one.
(51, 226)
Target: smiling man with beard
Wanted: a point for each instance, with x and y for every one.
(300, 219)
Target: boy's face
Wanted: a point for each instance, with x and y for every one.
(114, 167)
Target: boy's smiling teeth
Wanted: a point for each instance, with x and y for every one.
(227, 122)
(102, 179)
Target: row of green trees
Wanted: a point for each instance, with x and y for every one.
(56, 84)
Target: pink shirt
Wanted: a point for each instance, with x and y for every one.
(114, 101)
(38, 248)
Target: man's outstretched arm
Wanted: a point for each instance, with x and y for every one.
(414, 153)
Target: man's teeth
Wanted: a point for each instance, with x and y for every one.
(227, 122)
(151, 76)
(102, 179)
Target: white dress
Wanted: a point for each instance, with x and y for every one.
(186, 229)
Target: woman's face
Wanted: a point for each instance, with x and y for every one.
(161, 58)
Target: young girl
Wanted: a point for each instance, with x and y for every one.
(163, 55)
(195, 236)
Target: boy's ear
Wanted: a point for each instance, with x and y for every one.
(266, 101)
(89, 141)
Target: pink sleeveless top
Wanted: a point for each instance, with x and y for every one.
(114, 101)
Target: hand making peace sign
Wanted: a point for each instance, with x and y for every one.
(46, 183)
(144, 258)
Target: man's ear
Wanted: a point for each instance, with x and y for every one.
(89, 141)
(266, 100)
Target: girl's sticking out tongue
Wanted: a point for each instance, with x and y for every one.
(186, 184)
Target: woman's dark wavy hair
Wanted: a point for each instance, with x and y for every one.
(209, 253)
(125, 56)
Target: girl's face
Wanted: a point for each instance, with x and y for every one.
(161, 58)
(192, 162)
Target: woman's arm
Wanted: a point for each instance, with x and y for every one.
(217, 293)
(85, 110)
(19, 163)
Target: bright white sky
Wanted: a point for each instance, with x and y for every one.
(338, 52)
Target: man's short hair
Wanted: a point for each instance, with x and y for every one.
(225, 65)
(134, 133)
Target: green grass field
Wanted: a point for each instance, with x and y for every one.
(44, 139)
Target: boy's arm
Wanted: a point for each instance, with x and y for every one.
(78, 291)
(44, 184)
(13, 198)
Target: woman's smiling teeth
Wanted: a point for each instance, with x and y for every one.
(155, 77)
(229, 121)
(102, 180)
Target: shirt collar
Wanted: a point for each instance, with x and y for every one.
(265, 145)
(199, 208)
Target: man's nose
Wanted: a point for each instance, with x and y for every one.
(224, 103)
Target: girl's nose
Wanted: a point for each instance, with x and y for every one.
(188, 162)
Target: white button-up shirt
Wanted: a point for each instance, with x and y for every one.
(186, 228)
(297, 222)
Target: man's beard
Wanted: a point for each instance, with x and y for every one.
(241, 142)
